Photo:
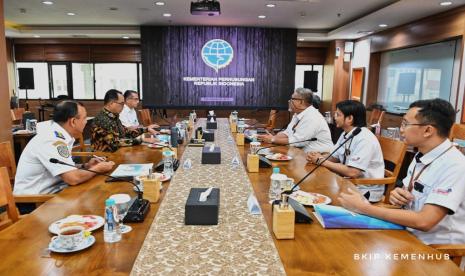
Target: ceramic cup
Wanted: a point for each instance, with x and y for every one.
(70, 237)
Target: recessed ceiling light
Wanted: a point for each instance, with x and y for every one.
(167, 14)
(262, 16)
(445, 3)
(383, 25)
(301, 39)
(47, 2)
(113, 8)
(125, 37)
(71, 13)
(36, 36)
(270, 5)
(160, 3)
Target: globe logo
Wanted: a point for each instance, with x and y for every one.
(217, 54)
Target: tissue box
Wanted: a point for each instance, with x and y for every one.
(212, 125)
(209, 136)
(210, 116)
(211, 157)
(202, 213)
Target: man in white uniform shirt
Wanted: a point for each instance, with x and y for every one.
(36, 174)
(432, 196)
(361, 157)
(128, 115)
(307, 123)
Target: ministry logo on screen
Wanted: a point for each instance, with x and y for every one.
(217, 54)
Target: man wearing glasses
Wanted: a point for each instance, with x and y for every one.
(432, 195)
(307, 123)
(108, 133)
(128, 116)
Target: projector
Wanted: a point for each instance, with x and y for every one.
(206, 7)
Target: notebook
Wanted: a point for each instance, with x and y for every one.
(337, 217)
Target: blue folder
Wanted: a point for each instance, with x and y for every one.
(337, 217)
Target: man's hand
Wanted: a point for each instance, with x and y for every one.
(92, 162)
(152, 131)
(353, 201)
(265, 137)
(313, 157)
(400, 197)
(102, 167)
(153, 126)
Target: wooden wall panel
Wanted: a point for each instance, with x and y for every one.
(373, 79)
(5, 122)
(424, 31)
(115, 53)
(341, 88)
(63, 52)
(328, 78)
(311, 55)
(29, 52)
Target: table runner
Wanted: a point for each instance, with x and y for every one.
(240, 244)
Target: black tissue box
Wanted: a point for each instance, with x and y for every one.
(212, 125)
(211, 157)
(202, 213)
(209, 136)
(210, 116)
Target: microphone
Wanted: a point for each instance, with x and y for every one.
(265, 163)
(351, 136)
(140, 206)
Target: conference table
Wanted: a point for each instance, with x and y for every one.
(313, 251)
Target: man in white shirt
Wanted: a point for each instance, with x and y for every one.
(128, 115)
(307, 123)
(432, 196)
(36, 174)
(361, 157)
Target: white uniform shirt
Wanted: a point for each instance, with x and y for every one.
(35, 173)
(442, 184)
(306, 125)
(128, 117)
(363, 153)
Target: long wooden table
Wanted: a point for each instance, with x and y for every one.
(314, 251)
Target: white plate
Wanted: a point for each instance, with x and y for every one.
(88, 241)
(90, 222)
(308, 199)
(270, 157)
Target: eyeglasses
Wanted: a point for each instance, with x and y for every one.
(121, 103)
(405, 124)
(136, 99)
(296, 99)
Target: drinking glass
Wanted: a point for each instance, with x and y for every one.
(122, 207)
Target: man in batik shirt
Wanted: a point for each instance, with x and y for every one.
(108, 133)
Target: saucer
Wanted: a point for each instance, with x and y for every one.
(88, 241)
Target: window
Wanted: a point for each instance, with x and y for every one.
(41, 88)
(310, 76)
(416, 73)
(121, 76)
(83, 81)
(59, 74)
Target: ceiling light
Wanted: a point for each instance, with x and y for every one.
(270, 5)
(36, 36)
(159, 3)
(71, 13)
(125, 37)
(383, 25)
(262, 16)
(47, 2)
(301, 39)
(445, 3)
(167, 14)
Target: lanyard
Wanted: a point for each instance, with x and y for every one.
(297, 123)
(414, 179)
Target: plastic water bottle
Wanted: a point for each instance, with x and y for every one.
(111, 230)
(168, 163)
(275, 185)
